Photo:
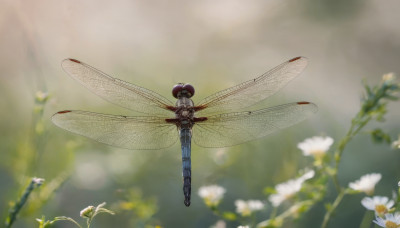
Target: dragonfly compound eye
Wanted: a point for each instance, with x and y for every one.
(177, 89)
(189, 88)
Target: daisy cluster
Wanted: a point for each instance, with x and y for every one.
(213, 194)
(298, 197)
(381, 205)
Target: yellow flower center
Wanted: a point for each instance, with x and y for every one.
(317, 153)
(390, 224)
(380, 209)
(246, 212)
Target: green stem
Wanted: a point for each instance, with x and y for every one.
(336, 182)
(253, 220)
(367, 218)
(89, 221)
(330, 211)
(285, 214)
(338, 157)
(273, 213)
(342, 144)
(35, 182)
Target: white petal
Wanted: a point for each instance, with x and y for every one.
(368, 203)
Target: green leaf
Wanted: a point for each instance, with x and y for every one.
(269, 190)
(378, 136)
(328, 206)
(229, 216)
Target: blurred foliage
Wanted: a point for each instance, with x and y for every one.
(303, 196)
(378, 136)
(339, 10)
(135, 208)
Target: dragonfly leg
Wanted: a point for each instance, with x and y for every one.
(185, 136)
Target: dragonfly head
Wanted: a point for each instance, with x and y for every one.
(183, 90)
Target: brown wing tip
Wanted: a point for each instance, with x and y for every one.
(62, 112)
(74, 60)
(308, 105)
(294, 59)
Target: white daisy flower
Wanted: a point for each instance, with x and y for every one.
(212, 194)
(396, 144)
(289, 188)
(390, 220)
(243, 227)
(389, 77)
(219, 224)
(379, 204)
(316, 146)
(245, 208)
(366, 183)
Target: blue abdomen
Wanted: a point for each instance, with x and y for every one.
(185, 136)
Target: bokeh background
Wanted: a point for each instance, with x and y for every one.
(212, 45)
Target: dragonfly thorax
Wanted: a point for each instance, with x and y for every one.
(184, 102)
(185, 111)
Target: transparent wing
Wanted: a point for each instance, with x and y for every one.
(253, 91)
(121, 131)
(234, 128)
(117, 91)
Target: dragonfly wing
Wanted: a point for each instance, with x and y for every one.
(121, 131)
(253, 91)
(234, 128)
(117, 91)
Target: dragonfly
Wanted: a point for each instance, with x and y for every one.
(216, 121)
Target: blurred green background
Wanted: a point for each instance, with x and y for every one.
(213, 45)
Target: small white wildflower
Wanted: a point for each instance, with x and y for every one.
(289, 188)
(396, 144)
(41, 96)
(389, 77)
(243, 227)
(366, 183)
(38, 181)
(90, 212)
(379, 204)
(307, 175)
(212, 194)
(219, 224)
(87, 212)
(316, 146)
(390, 220)
(245, 208)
